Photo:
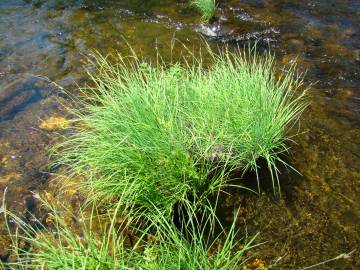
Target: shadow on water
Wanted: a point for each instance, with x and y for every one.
(317, 215)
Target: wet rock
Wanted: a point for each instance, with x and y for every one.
(16, 95)
(10, 87)
(210, 31)
(262, 38)
(17, 103)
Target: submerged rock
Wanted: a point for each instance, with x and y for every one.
(54, 123)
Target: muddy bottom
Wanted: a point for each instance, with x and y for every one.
(316, 215)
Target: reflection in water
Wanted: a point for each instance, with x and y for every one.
(317, 216)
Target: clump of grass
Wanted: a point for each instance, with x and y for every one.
(206, 8)
(195, 245)
(60, 246)
(160, 244)
(132, 136)
(241, 111)
(163, 132)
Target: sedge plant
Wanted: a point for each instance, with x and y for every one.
(159, 244)
(206, 8)
(166, 132)
(93, 242)
(195, 243)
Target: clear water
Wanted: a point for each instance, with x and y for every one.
(318, 214)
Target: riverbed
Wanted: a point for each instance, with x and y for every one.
(44, 44)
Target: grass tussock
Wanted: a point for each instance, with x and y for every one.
(206, 8)
(159, 245)
(163, 132)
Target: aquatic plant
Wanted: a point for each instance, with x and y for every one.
(104, 243)
(90, 241)
(206, 7)
(164, 132)
(193, 243)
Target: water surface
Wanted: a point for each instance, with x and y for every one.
(317, 216)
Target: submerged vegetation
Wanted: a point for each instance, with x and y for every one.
(165, 133)
(206, 7)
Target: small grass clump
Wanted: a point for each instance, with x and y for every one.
(206, 7)
(159, 245)
(193, 244)
(89, 242)
(164, 132)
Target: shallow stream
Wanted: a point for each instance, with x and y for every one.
(317, 216)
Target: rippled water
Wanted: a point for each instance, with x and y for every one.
(317, 216)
